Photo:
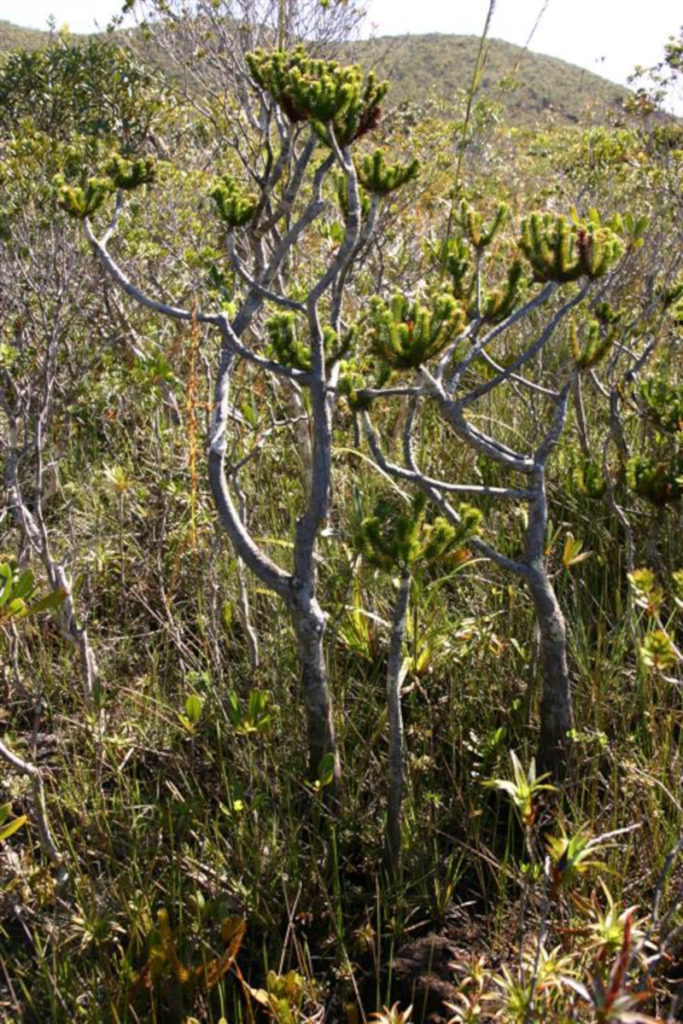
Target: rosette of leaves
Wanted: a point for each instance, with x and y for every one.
(235, 205)
(289, 349)
(359, 116)
(472, 224)
(660, 482)
(498, 303)
(663, 403)
(350, 386)
(81, 201)
(274, 73)
(389, 537)
(131, 174)
(405, 333)
(396, 536)
(323, 92)
(381, 178)
(562, 250)
(658, 652)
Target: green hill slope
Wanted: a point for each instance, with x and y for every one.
(14, 37)
(529, 86)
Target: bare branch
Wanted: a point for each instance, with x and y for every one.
(176, 312)
(486, 340)
(529, 353)
(260, 564)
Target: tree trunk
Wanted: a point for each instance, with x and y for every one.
(309, 627)
(556, 702)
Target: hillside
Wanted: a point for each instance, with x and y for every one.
(14, 37)
(529, 86)
(526, 84)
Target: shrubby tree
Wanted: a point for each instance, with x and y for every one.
(92, 89)
(507, 340)
(292, 328)
(310, 105)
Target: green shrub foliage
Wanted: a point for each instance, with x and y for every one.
(472, 224)
(82, 201)
(405, 333)
(287, 347)
(588, 479)
(454, 255)
(131, 174)
(380, 178)
(663, 403)
(322, 92)
(562, 250)
(92, 88)
(235, 206)
(396, 536)
(659, 481)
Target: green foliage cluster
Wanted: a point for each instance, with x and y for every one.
(289, 349)
(660, 481)
(663, 402)
(588, 478)
(235, 206)
(341, 192)
(600, 334)
(81, 201)
(490, 304)
(18, 594)
(131, 174)
(404, 333)
(351, 385)
(381, 178)
(325, 93)
(84, 111)
(395, 537)
(471, 222)
(563, 251)
(92, 88)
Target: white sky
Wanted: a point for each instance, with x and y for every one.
(605, 36)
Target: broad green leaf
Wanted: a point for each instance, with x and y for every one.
(49, 603)
(326, 770)
(24, 584)
(12, 827)
(193, 708)
(6, 575)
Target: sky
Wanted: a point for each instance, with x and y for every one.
(606, 36)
